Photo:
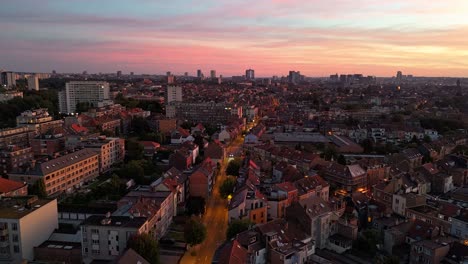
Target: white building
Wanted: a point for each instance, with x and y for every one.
(25, 223)
(173, 94)
(8, 79)
(33, 82)
(92, 92)
(111, 151)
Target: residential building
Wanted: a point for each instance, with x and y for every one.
(215, 151)
(428, 251)
(9, 188)
(202, 181)
(313, 215)
(14, 158)
(207, 112)
(58, 252)
(48, 144)
(111, 151)
(348, 177)
(401, 202)
(25, 223)
(33, 82)
(248, 203)
(38, 120)
(18, 136)
(460, 225)
(250, 74)
(106, 237)
(173, 94)
(92, 92)
(8, 79)
(63, 173)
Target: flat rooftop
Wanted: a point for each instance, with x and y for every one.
(18, 207)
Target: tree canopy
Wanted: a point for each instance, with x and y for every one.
(146, 246)
(194, 232)
(234, 167)
(227, 187)
(236, 227)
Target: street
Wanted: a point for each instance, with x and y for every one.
(215, 218)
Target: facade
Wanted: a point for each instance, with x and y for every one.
(348, 177)
(105, 237)
(33, 82)
(207, 112)
(25, 223)
(18, 136)
(202, 180)
(13, 158)
(38, 120)
(8, 79)
(92, 92)
(173, 94)
(428, 251)
(111, 151)
(62, 174)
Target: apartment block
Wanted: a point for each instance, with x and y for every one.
(62, 174)
(25, 223)
(105, 237)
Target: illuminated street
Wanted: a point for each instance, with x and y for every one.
(215, 218)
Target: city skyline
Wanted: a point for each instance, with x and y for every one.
(317, 38)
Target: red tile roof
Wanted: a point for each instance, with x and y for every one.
(7, 186)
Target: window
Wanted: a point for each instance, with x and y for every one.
(16, 248)
(95, 231)
(96, 251)
(14, 226)
(86, 250)
(15, 238)
(95, 241)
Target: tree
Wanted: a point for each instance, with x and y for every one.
(227, 187)
(236, 227)
(134, 150)
(234, 167)
(196, 206)
(146, 246)
(341, 159)
(329, 153)
(194, 232)
(39, 189)
(133, 170)
(427, 139)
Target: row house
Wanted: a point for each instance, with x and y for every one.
(460, 225)
(438, 216)
(402, 202)
(457, 166)
(18, 136)
(314, 216)
(215, 151)
(276, 242)
(312, 186)
(180, 135)
(347, 177)
(203, 179)
(48, 144)
(428, 251)
(279, 197)
(157, 204)
(181, 159)
(180, 182)
(248, 203)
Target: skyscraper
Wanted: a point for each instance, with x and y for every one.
(294, 76)
(199, 73)
(119, 73)
(168, 73)
(399, 75)
(213, 74)
(92, 92)
(33, 82)
(173, 94)
(250, 74)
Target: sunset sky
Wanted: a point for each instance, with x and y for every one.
(316, 37)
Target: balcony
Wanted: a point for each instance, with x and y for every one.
(4, 244)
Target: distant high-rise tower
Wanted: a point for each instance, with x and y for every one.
(213, 74)
(199, 74)
(250, 74)
(131, 73)
(8, 79)
(54, 72)
(294, 77)
(85, 72)
(458, 83)
(186, 74)
(119, 73)
(173, 94)
(33, 82)
(399, 75)
(168, 73)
